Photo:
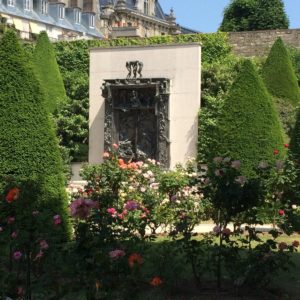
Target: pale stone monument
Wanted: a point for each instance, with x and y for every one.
(146, 100)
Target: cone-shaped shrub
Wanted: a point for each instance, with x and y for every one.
(47, 71)
(28, 145)
(279, 75)
(249, 126)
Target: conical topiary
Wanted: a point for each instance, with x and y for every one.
(28, 145)
(279, 75)
(249, 126)
(47, 71)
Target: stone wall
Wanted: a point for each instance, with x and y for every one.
(257, 43)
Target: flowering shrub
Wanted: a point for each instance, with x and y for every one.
(28, 244)
(123, 207)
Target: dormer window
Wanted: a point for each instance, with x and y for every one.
(61, 12)
(10, 2)
(27, 4)
(44, 7)
(92, 21)
(146, 7)
(77, 16)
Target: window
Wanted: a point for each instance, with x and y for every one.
(61, 12)
(77, 16)
(10, 2)
(27, 4)
(92, 21)
(44, 7)
(146, 7)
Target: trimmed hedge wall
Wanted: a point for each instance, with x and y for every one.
(249, 127)
(28, 145)
(47, 71)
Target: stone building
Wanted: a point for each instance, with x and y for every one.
(61, 19)
(137, 18)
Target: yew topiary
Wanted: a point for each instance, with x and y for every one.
(249, 127)
(47, 71)
(28, 145)
(279, 75)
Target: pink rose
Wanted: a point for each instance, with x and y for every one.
(57, 219)
(105, 155)
(111, 211)
(44, 245)
(17, 255)
(14, 234)
(116, 253)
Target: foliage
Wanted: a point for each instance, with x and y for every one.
(28, 146)
(249, 127)
(279, 75)
(238, 16)
(248, 15)
(72, 119)
(75, 54)
(295, 57)
(47, 72)
(30, 243)
(217, 78)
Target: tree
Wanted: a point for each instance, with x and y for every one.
(28, 145)
(279, 75)
(249, 127)
(270, 14)
(47, 71)
(281, 81)
(248, 15)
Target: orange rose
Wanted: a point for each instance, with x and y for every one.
(133, 259)
(156, 281)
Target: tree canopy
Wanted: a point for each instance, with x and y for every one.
(248, 15)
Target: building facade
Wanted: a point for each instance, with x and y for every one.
(137, 18)
(61, 19)
(88, 19)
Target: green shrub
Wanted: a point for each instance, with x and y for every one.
(28, 145)
(279, 75)
(217, 79)
(47, 71)
(249, 127)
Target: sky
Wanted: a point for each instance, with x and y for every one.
(206, 15)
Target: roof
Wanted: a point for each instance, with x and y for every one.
(35, 15)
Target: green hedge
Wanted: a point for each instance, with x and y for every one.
(249, 127)
(279, 75)
(75, 55)
(28, 145)
(47, 71)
